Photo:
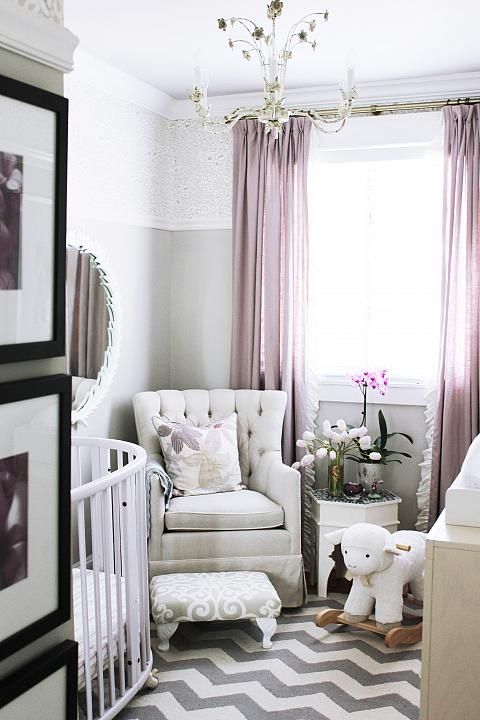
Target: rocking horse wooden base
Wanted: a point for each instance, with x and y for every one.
(402, 635)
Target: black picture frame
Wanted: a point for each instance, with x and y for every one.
(25, 390)
(57, 104)
(26, 678)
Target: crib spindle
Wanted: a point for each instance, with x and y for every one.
(131, 584)
(142, 566)
(118, 589)
(97, 569)
(108, 553)
(85, 608)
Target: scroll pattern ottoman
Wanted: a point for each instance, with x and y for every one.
(200, 597)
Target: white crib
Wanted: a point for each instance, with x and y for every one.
(110, 579)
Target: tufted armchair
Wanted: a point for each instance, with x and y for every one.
(253, 529)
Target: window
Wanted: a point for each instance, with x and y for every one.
(374, 260)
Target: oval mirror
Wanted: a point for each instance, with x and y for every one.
(92, 332)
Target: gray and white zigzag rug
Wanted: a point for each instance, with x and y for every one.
(219, 671)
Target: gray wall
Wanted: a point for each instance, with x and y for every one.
(31, 72)
(201, 302)
(139, 260)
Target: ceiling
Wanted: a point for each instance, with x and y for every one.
(157, 40)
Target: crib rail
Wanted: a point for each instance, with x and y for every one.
(111, 573)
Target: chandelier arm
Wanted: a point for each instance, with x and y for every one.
(215, 122)
(253, 43)
(242, 21)
(231, 122)
(255, 48)
(291, 32)
(323, 128)
(302, 42)
(240, 113)
(312, 114)
(325, 125)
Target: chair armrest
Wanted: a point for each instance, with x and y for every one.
(282, 484)
(157, 512)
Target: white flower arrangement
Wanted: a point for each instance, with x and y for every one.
(338, 442)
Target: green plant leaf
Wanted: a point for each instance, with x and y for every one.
(387, 453)
(383, 429)
(392, 460)
(391, 435)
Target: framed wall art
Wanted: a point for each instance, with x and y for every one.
(34, 509)
(48, 682)
(33, 170)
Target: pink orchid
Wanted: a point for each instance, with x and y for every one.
(375, 379)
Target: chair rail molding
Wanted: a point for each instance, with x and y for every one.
(34, 29)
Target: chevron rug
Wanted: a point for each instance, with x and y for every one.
(218, 671)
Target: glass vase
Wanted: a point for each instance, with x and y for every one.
(370, 475)
(335, 479)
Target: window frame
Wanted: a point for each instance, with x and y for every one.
(361, 138)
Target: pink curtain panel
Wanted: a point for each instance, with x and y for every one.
(270, 236)
(457, 414)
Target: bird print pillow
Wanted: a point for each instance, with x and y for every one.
(200, 460)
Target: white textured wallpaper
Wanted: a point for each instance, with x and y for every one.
(128, 164)
(51, 9)
(199, 172)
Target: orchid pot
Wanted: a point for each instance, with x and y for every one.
(370, 475)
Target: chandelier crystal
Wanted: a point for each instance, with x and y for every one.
(273, 59)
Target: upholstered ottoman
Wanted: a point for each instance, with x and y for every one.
(200, 597)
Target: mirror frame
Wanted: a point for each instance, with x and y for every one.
(97, 393)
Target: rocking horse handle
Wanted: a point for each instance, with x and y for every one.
(407, 548)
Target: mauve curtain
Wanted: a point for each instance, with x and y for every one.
(87, 317)
(270, 233)
(457, 414)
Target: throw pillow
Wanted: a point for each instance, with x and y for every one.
(200, 460)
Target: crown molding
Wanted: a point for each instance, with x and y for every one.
(36, 37)
(124, 86)
(105, 77)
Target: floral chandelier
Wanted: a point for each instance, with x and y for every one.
(273, 64)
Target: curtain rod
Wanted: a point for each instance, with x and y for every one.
(380, 108)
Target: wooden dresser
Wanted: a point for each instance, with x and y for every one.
(450, 688)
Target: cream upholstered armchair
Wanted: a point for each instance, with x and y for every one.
(254, 529)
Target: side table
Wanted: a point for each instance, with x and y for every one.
(331, 513)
